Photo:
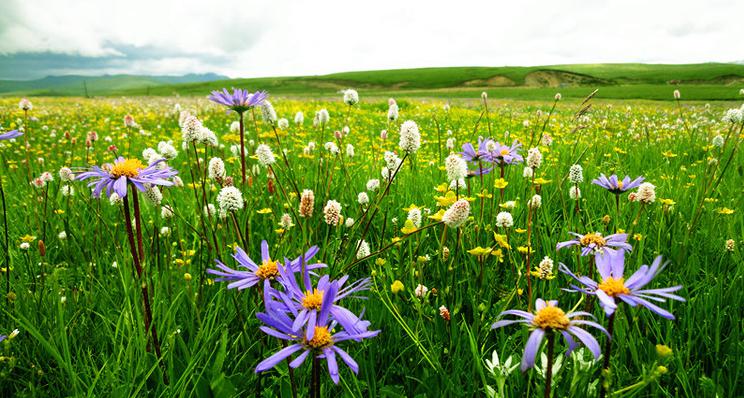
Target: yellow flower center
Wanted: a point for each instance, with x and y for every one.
(597, 239)
(321, 339)
(613, 287)
(504, 152)
(268, 270)
(551, 318)
(619, 185)
(313, 300)
(129, 168)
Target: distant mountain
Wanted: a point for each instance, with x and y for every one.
(98, 85)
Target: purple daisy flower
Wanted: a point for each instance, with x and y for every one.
(254, 273)
(613, 286)
(240, 100)
(594, 242)
(322, 345)
(481, 155)
(501, 153)
(616, 186)
(116, 177)
(305, 304)
(548, 318)
(9, 135)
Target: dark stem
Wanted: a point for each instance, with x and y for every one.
(606, 361)
(549, 369)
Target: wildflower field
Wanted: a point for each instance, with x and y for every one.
(370, 247)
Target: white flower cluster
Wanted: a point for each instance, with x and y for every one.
(216, 169)
(576, 174)
(456, 167)
(332, 212)
(265, 155)
(504, 220)
(351, 97)
(457, 214)
(229, 199)
(410, 137)
(534, 158)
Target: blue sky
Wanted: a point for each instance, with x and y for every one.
(248, 38)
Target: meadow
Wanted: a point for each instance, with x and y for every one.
(113, 295)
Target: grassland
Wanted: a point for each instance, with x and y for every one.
(77, 303)
(704, 82)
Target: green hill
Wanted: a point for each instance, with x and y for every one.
(709, 81)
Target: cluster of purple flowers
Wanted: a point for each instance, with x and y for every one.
(300, 312)
(609, 257)
(493, 152)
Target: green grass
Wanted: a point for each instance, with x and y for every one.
(710, 81)
(93, 343)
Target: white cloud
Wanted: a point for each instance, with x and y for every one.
(260, 38)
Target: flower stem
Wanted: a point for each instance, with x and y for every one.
(149, 326)
(549, 368)
(606, 361)
(242, 148)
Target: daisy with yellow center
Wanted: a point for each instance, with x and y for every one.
(313, 300)
(613, 287)
(321, 338)
(551, 318)
(268, 270)
(129, 168)
(593, 238)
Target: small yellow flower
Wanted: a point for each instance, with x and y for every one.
(279, 231)
(437, 216)
(265, 210)
(663, 351)
(500, 183)
(484, 194)
(396, 239)
(380, 261)
(520, 292)
(59, 211)
(441, 188)
(499, 254)
(520, 230)
(637, 237)
(408, 228)
(187, 277)
(541, 181)
(523, 249)
(28, 238)
(397, 287)
(480, 251)
(448, 199)
(620, 151)
(669, 154)
(667, 202)
(411, 207)
(726, 211)
(501, 241)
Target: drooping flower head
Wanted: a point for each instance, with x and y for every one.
(549, 318)
(250, 273)
(594, 242)
(116, 177)
(9, 135)
(616, 186)
(239, 100)
(614, 286)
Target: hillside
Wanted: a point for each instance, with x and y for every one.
(710, 81)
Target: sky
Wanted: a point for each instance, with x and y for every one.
(249, 38)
